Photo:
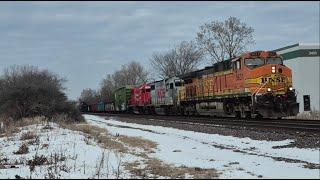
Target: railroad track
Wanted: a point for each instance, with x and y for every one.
(289, 124)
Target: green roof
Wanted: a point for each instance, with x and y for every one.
(301, 53)
(286, 47)
(298, 52)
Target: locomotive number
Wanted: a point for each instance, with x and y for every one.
(239, 76)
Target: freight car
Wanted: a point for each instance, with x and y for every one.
(109, 107)
(83, 107)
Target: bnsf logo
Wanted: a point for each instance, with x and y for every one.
(273, 79)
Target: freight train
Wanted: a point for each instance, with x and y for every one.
(255, 84)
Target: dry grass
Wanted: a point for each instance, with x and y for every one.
(9, 130)
(3, 161)
(28, 135)
(9, 127)
(36, 161)
(23, 149)
(310, 115)
(94, 131)
(157, 168)
(110, 142)
(31, 121)
(138, 142)
(99, 134)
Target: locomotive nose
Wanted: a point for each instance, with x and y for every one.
(275, 79)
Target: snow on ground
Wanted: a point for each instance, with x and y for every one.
(82, 156)
(232, 156)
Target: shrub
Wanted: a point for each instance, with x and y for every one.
(26, 91)
(23, 149)
(28, 135)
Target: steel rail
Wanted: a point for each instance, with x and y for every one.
(292, 124)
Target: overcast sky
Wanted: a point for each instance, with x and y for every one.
(83, 41)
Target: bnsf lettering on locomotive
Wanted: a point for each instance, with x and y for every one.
(263, 80)
(280, 79)
(272, 80)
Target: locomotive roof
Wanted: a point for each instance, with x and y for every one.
(153, 82)
(216, 67)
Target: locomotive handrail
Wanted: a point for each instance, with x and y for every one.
(256, 91)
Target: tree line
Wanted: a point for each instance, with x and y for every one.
(216, 41)
(26, 91)
(130, 74)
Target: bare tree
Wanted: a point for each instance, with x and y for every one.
(107, 87)
(188, 57)
(163, 63)
(89, 96)
(136, 73)
(182, 59)
(132, 73)
(224, 40)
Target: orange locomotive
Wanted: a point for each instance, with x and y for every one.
(253, 85)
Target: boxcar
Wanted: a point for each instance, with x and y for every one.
(109, 107)
(93, 108)
(83, 107)
(122, 97)
(100, 107)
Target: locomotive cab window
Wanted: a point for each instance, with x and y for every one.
(254, 63)
(171, 85)
(274, 60)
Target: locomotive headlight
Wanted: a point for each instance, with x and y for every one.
(273, 70)
(269, 89)
(290, 88)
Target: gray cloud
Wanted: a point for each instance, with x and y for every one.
(83, 41)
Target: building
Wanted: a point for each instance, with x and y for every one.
(304, 60)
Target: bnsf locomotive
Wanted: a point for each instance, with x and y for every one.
(255, 84)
